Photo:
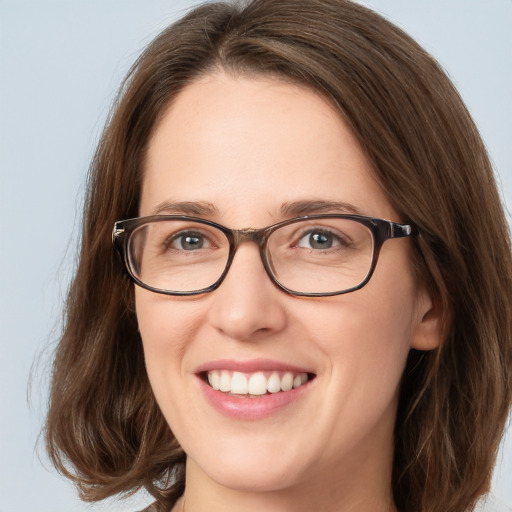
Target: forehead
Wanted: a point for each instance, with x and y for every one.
(242, 144)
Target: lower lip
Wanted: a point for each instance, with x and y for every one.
(251, 408)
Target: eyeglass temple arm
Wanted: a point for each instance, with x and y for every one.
(117, 235)
(396, 230)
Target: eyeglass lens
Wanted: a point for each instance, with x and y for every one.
(310, 256)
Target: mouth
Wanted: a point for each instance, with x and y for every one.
(250, 390)
(255, 384)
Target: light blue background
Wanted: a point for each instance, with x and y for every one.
(60, 64)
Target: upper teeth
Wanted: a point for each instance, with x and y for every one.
(255, 383)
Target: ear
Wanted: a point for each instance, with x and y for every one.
(428, 329)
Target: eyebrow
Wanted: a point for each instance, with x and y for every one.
(307, 207)
(193, 208)
(288, 209)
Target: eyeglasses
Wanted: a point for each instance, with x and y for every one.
(311, 256)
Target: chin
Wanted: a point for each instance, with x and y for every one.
(259, 468)
(246, 476)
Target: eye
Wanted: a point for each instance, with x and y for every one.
(320, 240)
(189, 241)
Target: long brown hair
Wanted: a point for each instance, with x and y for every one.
(104, 429)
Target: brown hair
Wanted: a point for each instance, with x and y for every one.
(104, 428)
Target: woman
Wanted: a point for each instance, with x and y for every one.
(320, 319)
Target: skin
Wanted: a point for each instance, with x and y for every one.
(246, 146)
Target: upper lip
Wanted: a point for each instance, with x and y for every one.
(250, 366)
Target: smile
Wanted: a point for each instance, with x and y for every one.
(255, 384)
(253, 390)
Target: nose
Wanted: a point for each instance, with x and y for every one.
(247, 304)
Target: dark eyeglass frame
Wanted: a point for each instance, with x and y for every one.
(380, 229)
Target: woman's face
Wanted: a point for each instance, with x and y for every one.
(248, 153)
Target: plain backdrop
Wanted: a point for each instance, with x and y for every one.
(61, 62)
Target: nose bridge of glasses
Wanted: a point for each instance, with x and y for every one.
(249, 235)
(256, 236)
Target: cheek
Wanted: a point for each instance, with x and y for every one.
(365, 339)
(363, 324)
(166, 326)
